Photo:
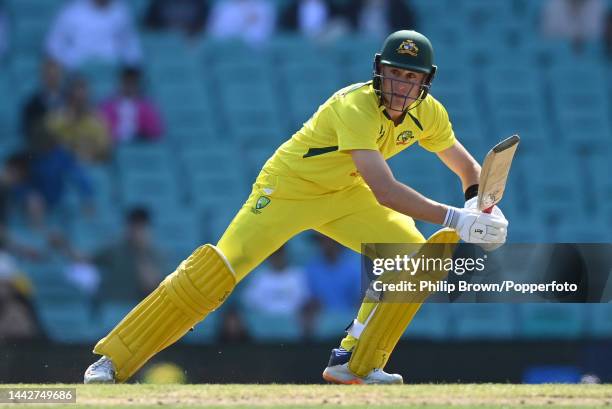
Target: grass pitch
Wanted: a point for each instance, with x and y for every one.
(483, 396)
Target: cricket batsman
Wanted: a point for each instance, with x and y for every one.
(331, 176)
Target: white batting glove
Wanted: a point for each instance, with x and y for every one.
(487, 230)
(473, 204)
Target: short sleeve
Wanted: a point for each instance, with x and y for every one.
(440, 135)
(356, 124)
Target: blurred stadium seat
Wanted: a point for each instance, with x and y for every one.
(431, 322)
(557, 321)
(272, 327)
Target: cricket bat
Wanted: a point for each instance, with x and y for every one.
(494, 173)
(493, 177)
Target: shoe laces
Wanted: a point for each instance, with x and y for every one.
(104, 361)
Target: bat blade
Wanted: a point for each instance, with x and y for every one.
(494, 174)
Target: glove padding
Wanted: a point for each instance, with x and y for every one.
(487, 230)
(473, 205)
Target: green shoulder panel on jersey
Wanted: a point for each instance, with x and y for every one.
(416, 121)
(319, 151)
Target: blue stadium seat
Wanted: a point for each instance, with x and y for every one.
(211, 158)
(89, 234)
(29, 33)
(111, 313)
(256, 157)
(102, 80)
(178, 233)
(582, 232)
(45, 9)
(68, 321)
(483, 321)
(318, 80)
(144, 157)
(24, 69)
(431, 322)
(101, 177)
(556, 194)
(330, 325)
(204, 332)
(157, 191)
(272, 327)
(589, 128)
(600, 320)
(547, 320)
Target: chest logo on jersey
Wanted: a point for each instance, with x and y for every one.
(408, 47)
(404, 138)
(262, 202)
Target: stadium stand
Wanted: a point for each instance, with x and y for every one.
(227, 108)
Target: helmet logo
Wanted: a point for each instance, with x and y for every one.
(408, 47)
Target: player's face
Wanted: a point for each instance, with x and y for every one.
(400, 88)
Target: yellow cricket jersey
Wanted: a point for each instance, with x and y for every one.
(350, 119)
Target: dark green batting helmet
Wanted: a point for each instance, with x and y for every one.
(408, 50)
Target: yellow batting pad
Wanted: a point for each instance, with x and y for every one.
(444, 236)
(199, 285)
(383, 327)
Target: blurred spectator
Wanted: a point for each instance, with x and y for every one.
(187, 16)
(232, 329)
(278, 288)
(16, 193)
(100, 30)
(78, 126)
(323, 20)
(48, 97)
(129, 115)
(334, 276)
(15, 189)
(18, 319)
(309, 17)
(377, 18)
(52, 170)
(130, 267)
(252, 21)
(578, 21)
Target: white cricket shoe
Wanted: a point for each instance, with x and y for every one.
(341, 374)
(101, 371)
